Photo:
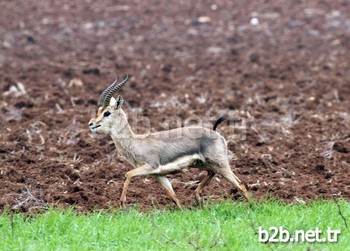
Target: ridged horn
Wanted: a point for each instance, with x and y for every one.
(107, 94)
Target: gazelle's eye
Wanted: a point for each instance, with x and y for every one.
(106, 114)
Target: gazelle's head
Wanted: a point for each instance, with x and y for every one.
(109, 113)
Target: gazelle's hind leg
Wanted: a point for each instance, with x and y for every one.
(201, 185)
(217, 158)
(169, 189)
(227, 173)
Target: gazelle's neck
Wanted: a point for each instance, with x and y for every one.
(122, 135)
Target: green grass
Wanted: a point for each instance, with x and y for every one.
(224, 226)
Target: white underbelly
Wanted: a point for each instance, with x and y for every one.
(178, 164)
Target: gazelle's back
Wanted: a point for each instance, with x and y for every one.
(171, 145)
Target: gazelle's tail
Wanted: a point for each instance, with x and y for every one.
(218, 122)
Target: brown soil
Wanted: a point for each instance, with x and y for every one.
(283, 84)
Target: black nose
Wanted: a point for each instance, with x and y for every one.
(91, 124)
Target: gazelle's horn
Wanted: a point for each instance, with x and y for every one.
(107, 94)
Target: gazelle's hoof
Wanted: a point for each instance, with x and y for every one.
(122, 205)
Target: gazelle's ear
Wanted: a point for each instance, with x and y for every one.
(112, 102)
(119, 102)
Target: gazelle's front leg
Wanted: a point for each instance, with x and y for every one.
(139, 171)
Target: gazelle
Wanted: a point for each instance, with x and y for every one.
(160, 153)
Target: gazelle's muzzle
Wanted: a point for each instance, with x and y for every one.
(93, 126)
